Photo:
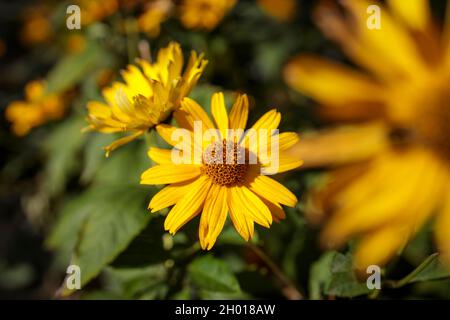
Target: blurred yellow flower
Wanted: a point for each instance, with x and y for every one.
(223, 180)
(148, 95)
(96, 10)
(75, 43)
(37, 28)
(282, 10)
(37, 109)
(155, 13)
(204, 14)
(396, 143)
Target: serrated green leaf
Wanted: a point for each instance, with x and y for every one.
(343, 281)
(212, 274)
(116, 215)
(320, 275)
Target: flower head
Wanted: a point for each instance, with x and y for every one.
(396, 136)
(156, 12)
(147, 96)
(37, 108)
(204, 14)
(221, 170)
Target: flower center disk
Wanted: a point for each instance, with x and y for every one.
(225, 163)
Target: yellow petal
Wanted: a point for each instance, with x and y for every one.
(170, 195)
(414, 13)
(189, 206)
(169, 173)
(194, 112)
(286, 140)
(391, 44)
(251, 205)
(239, 113)
(273, 191)
(174, 136)
(341, 145)
(442, 231)
(378, 247)
(285, 163)
(242, 223)
(120, 142)
(318, 78)
(269, 121)
(276, 210)
(161, 156)
(387, 193)
(219, 112)
(213, 216)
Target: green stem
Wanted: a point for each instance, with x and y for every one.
(289, 290)
(404, 281)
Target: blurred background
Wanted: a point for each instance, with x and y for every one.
(63, 202)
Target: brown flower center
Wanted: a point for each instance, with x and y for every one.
(225, 163)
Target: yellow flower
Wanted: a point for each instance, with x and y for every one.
(218, 176)
(204, 14)
(148, 95)
(156, 13)
(97, 10)
(282, 10)
(37, 109)
(37, 28)
(396, 139)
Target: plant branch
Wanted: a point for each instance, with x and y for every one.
(288, 288)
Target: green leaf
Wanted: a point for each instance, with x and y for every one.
(71, 69)
(343, 281)
(430, 269)
(115, 216)
(137, 283)
(320, 275)
(65, 232)
(61, 148)
(434, 270)
(212, 274)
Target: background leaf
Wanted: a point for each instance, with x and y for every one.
(211, 274)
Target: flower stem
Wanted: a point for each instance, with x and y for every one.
(400, 283)
(288, 288)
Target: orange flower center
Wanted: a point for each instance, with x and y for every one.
(225, 163)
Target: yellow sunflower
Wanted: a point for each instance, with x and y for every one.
(204, 14)
(148, 95)
(37, 108)
(395, 143)
(224, 179)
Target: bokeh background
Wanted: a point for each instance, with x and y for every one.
(61, 200)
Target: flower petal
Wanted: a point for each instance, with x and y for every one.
(242, 223)
(160, 156)
(287, 140)
(120, 142)
(239, 113)
(170, 195)
(189, 206)
(219, 112)
(169, 173)
(273, 191)
(213, 216)
(251, 205)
